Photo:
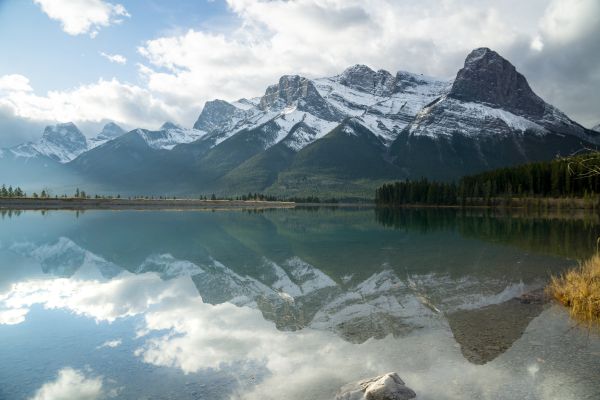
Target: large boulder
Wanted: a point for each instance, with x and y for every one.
(384, 387)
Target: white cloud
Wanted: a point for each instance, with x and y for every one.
(70, 384)
(322, 37)
(13, 316)
(537, 44)
(14, 83)
(111, 344)
(181, 331)
(314, 38)
(113, 100)
(569, 20)
(120, 297)
(115, 58)
(83, 16)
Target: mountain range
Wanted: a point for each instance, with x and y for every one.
(337, 136)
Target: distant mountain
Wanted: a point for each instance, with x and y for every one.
(135, 162)
(110, 131)
(61, 142)
(596, 128)
(169, 135)
(336, 136)
(64, 142)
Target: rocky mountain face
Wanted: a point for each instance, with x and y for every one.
(64, 142)
(61, 142)
(110, 131)
(339, 136)
(382, 102)
(169, 135)
(487, 78)
(490, 118)
(301, 94)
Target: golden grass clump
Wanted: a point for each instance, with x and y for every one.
(579, 290)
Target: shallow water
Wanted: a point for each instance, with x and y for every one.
(289, 304)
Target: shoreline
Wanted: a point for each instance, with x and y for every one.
(526, 203)
(137, 204)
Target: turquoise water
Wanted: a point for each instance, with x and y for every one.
(289, 304)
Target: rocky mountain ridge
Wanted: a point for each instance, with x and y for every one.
(63, 142)
(296, 139)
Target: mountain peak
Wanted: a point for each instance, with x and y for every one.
(62, 142)
(487, 77)
(169, 125)
(364, 79)
(289, 89)
(298, 91)
(596, 128)
(358, 69)
(63, 131)
(215, 114)
(479, 53)
(110, 131)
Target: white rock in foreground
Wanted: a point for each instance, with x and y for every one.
(384, 387)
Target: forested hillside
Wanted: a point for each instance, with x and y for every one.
(570, 177)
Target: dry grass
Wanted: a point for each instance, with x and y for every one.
(579, 290)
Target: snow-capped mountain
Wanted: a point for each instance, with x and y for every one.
(489, 118)
(596, 128)
(110, 131)
(382, 102)
(303, 110)
(296, 138)
(61, 142)
(64, 142)
(489, 97)
(169, 135)
(292, 100)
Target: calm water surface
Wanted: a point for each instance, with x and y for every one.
(289, 304)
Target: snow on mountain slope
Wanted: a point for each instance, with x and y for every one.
(313, 128)
(61, 142)
(64, 142)
(169, 135)
(596, 128)
(110, 131)
(309, 278)
(168, 267)
(489, 97)
(470, 119)
(221, 120)
(293, 100)
(65, 258)
(384, 103)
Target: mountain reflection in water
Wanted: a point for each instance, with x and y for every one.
(287, 303)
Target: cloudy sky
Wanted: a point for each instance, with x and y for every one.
(141, 63)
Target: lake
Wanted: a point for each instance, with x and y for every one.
(290, 304)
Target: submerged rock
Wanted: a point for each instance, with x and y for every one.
(384, 387)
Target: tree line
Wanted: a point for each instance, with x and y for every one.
(8, 192)
(570, 177)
